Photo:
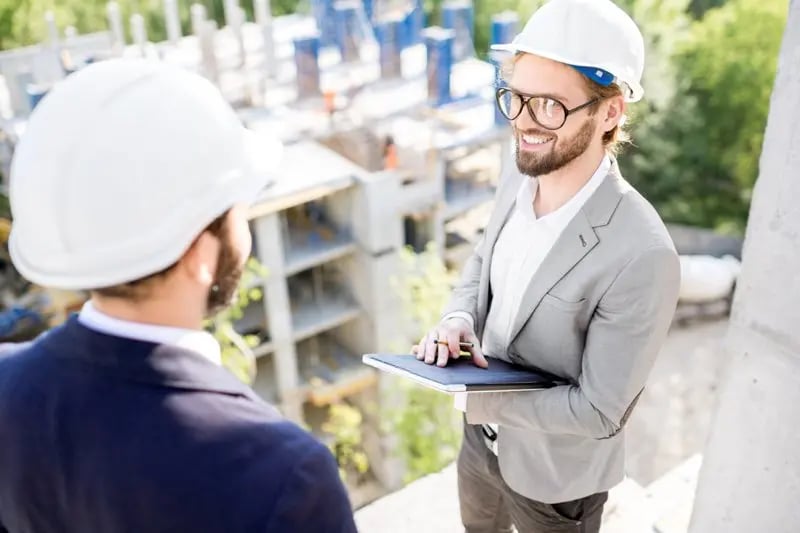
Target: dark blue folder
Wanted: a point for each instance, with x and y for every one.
(461, 375)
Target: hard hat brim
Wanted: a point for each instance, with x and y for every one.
(634, 94)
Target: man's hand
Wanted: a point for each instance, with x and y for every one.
(448, 334)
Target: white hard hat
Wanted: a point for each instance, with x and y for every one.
(595, 36)
(121, 167)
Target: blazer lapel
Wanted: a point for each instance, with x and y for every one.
(574, 243)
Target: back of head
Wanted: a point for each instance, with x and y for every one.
(120, 168)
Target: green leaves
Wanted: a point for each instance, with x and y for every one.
(424, 423)
(237, 354)
(22, 21)
(697, 158)
(344, 426)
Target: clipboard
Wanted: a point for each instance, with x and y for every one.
(461, 375)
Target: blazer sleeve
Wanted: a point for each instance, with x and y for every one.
(465, 295)
(623, 339)
(314, 499)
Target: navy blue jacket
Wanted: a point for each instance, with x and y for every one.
(100, 434)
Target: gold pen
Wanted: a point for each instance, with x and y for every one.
(461, 345)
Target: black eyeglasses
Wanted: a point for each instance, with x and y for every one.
(545, 111)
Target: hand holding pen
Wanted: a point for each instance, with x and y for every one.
(446, 341)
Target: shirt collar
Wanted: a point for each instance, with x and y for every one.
(565, 213)
(200, 342)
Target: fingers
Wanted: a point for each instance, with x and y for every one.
(442, 352)
(477, 354)
(431, 348)
(450, 334)
(420, 350)
(454, 343)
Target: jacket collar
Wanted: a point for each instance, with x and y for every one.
(140, 361)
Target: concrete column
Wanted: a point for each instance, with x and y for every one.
(52, 28)
(207, 29)
(750, 479)
(139, 32)
(268, 244)
(115, 24)
(197, 14)
(233, 18)
(173, 21)
(263, 16)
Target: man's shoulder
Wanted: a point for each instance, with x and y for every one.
(16, 355)
(260, 426)
(639, 222)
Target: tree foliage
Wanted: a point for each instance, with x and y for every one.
(699, 161)
(424, 422)
(22, 21)
(236, 349)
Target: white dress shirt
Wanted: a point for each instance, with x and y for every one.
(200, 342)
(522, 245)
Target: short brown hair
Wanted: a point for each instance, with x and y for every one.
(141, 288)
(612, 139)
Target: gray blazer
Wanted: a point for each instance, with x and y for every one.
(596, 312)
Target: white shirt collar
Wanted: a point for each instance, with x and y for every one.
(200, 342)
(561, 216)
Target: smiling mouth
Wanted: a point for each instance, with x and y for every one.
(534, 140)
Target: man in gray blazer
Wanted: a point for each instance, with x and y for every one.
(576, 275)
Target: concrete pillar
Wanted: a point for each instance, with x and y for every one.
(207, 31)
(173, 21)
(139, 32)
(268, 244)
(198, 16)
(750, 479)
(231, 12)
(115, 24)
(52, 28)
(263, 16)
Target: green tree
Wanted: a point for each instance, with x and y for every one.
(424, 422)
(22, 21)
(698, 8)
(699, 164)
(237, 354)
(344, 426)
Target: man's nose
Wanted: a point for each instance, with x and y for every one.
(525, 122)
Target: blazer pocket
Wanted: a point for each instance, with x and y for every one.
(564, 305)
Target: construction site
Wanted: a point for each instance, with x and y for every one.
(392, 141)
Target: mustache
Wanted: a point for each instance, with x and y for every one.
(538, 133)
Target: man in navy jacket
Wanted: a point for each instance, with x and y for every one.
(132, 182)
